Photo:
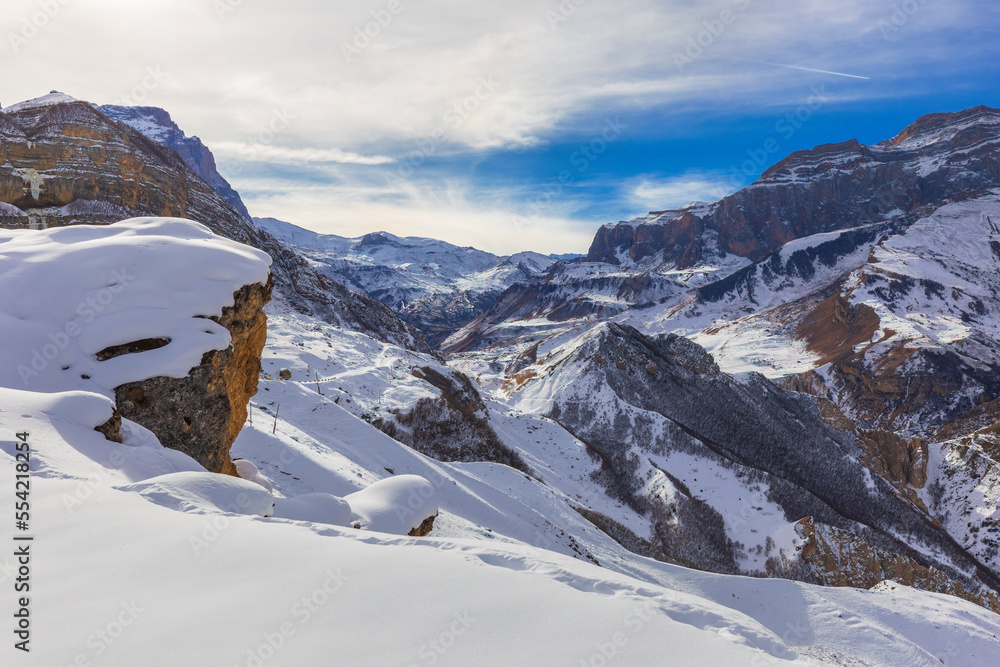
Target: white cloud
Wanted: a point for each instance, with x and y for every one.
(678, 191)
(225, 77)
(446, 213)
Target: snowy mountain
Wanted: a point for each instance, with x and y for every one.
(433, 285)
(610, 442)
(879, 318)
(316, 530)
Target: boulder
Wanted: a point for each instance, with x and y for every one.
(202, 414)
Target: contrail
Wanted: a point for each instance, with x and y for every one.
(810, 69)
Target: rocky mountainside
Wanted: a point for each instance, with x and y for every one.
(898, 323)
(724, 468)
(828, 188)
(157, 125)
(852, 291)
(65, 162)
(435, 286)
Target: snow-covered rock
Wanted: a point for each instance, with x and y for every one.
(159, 313)
(202, 492)
(248, 471)
(323, 508)
(397, 505)
(71, 292)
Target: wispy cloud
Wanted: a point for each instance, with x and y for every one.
(680, 190)
(286, 155)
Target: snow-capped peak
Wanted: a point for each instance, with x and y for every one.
(52, 99)
(939, 128)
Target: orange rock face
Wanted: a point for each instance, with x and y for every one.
(71, 153)
(202, 414)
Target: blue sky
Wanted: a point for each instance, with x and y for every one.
(508, 126)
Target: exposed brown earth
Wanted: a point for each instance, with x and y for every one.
(834, 327)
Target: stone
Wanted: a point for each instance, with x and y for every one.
(424, 528)
(202, 414)
(111, 429)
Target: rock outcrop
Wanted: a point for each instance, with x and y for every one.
(202, 414)
(453, 427)
(837, 557)
(111, 429)
(424, 529)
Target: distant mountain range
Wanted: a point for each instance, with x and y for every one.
(436, 286)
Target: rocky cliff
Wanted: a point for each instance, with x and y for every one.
(202, 414)
(831, 187)
(157, 125)
(835, 557)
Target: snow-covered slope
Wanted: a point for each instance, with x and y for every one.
(52, 99)
(161, 550)
(286, 592)
(244, 590)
